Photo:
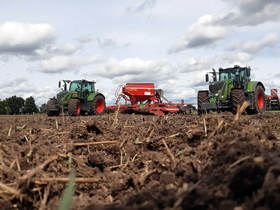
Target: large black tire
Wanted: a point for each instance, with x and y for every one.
(202, 97)
(237, 97)
(259, 101)
(74, 108)
(98, 105)
(50, 112)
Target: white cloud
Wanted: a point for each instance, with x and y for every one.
(252, 12)
(20, 87)
(24, 38)
(109, 43)
(66, 49)
(52, 50)
(102, 42)
(85, 39)
(19, 81)
(239, 58)
(33, 41)
(212, 28)
(243, 52)
(135, 69)
(201, 33)
(106, 42)
(176, 89)
(253, 47)
(63, 63)
(197, 64)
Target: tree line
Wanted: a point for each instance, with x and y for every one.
(17, 105)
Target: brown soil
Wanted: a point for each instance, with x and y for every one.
(236, 165)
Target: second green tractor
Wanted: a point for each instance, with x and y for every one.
(230, 88)
(79, 99)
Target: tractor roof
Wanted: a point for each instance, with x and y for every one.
(235, 68)
(83, 80)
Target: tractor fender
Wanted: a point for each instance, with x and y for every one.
(93, 95)
(253, 85)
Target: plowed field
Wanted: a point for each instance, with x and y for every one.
(143, 162)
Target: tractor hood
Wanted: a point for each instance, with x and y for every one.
(63, 97)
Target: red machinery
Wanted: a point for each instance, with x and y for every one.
(273, 101)
(144, 98)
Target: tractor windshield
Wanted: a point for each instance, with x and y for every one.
(75, 86)
(88, 86)
(224, 76)
(232, 75)
(242, 75)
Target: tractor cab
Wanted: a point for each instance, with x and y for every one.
(236, 73)
(82, 86)
(236, 77)
(239, 75)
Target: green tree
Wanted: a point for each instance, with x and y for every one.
(30, 106)
(14, 105)
(2, 107)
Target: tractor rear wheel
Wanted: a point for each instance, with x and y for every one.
(74, 108)
(98, 105)
(237, 97)
(259, 101)
(202, 97)
(50, 105)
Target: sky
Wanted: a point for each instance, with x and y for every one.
(171, 43)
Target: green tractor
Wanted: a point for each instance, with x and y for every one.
(79, 99)
(229, 89)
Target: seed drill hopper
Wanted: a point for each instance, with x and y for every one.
(144, 98)
(273, 101)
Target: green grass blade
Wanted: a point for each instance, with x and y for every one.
(66, 201)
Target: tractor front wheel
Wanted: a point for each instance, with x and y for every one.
(98, 105)
(259, 101)
(74, 108)
(237, 97)
(202, 97)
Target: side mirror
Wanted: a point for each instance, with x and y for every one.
(248, 73)
(59, 84)
(215, 77)
(207, 78)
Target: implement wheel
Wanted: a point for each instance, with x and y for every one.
(74, 108)
(98, 105)
(259, 101)
(237, 98)
(202, 97)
